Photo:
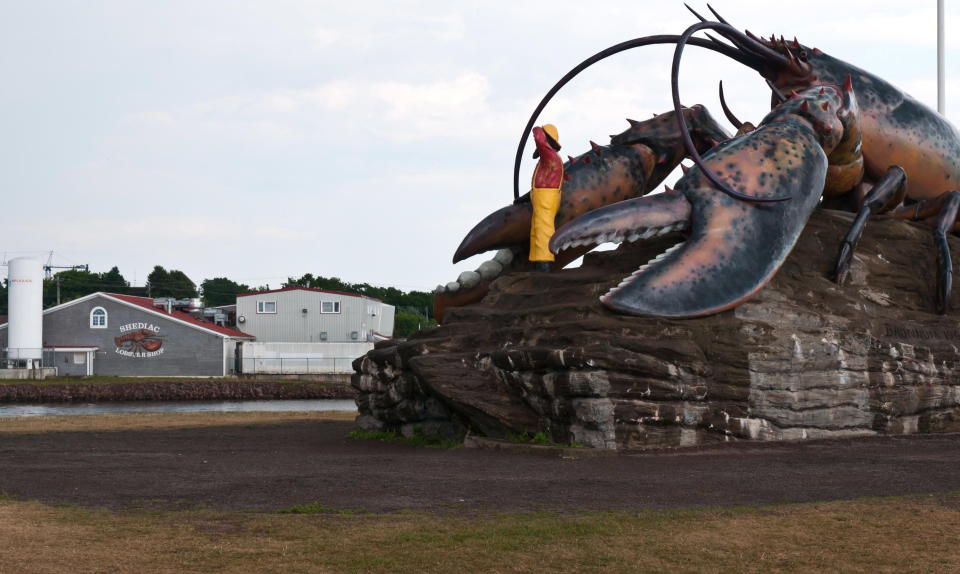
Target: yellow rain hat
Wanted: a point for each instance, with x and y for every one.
(551, 130)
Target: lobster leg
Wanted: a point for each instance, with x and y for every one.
(889, 190)
(946, 220)
(941, 213)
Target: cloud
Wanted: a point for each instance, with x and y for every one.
(453, 108)
(378, 30)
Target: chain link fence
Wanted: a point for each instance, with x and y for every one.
(13, 361)
(296, 365)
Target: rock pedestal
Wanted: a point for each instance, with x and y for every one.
(804, 358)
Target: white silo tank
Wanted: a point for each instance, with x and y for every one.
(25, 298)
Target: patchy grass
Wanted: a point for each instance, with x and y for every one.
(418, 439)
(137, 421)
(317, 508)
(540, 438)
(907, 534)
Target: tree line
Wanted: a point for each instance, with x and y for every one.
(414, 309)
(72, 284)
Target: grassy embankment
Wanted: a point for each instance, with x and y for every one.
(141, 421)
(78, 381)
(906, 534)
(105, 389)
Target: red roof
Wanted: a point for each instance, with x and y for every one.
(147, 303)
(309, 289)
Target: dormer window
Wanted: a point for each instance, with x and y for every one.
(98, 318)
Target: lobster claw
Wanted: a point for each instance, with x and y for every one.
(733, 248)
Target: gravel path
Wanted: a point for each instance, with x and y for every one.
(271, 467)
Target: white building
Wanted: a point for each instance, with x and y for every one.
(303, 330)
(302, 315)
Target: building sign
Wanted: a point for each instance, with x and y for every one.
(139, 340)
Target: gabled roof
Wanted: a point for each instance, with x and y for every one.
(344, 293)
(146, 303)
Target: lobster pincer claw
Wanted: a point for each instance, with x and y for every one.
(506, 227)
(733, 248)
(631, 220)
(636, 162)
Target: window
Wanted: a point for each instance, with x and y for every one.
(79, 358)
(330, 306)
(266, 306)
(98, 318)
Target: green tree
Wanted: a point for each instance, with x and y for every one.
(406, 323)
(68, 285)
(421, 301)
(71, 284)
(171, 283)
(113, 281)
(221, 291)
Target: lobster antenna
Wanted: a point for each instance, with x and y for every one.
(702, 19)
(694, 12)
(744, 56)
(716, 41)
(726, 111)
(685, 131)
(717, 14)
(746, 43)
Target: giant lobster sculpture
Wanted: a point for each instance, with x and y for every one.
(836, 136)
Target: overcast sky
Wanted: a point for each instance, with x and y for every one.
(261, 140)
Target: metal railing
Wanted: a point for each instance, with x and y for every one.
(296, 365)
(13, 361)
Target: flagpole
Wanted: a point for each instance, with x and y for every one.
(941, 79)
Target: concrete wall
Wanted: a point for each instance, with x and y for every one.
(186, 351)
(290, 324)
(27, 374)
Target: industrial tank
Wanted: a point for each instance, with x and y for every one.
(25, 298)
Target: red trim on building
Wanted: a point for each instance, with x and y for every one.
(147, 303)
(357, 295)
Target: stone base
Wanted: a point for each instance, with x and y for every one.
(803, 359)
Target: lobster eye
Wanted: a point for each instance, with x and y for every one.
(802, 55)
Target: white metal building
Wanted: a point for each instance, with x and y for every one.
(302, 315)
(307, 331)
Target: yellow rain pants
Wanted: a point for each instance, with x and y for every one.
(546, 202)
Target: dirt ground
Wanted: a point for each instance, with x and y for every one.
(275, 466)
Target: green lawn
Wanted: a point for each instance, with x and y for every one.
(904, 534)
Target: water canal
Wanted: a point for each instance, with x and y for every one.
(60, 409)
